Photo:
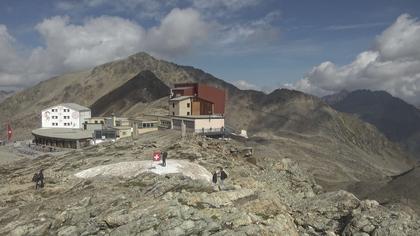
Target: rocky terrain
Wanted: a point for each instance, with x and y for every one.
(264, 195)
(141, 90)
(5, 94)
(336, 148)
(336, 97)
(339, 150)
(7, 155)
(398, 120)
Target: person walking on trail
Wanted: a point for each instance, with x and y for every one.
(214, 179)
(164, 156)
(38, 178)
(222, 175)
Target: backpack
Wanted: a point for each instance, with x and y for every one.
(35, 177)
(223, 175)
(214, 178)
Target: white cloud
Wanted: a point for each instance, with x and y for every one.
(226, 4)
(130, 5)
(10, 64)
(245, 85)
(392, 65)
(354, 26)
(70, 47)
(177, 32)
(99, 40)
(257, 32)
(223, 16)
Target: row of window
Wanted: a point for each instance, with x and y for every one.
(173, 105)
(148, 125)
(65, 117)
(188, 113)
(56, 110)
(56, 124)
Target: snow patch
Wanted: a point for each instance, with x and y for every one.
(131, 169)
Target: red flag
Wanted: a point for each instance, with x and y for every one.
(156, 156)
(9, 132)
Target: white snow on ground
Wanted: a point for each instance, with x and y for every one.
(131, 169)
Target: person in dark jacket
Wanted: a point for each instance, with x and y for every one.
(38, 178)
(214, 179)
(164, 156)
(223, 175)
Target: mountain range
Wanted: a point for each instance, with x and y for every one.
(338, 149)
(397, 119)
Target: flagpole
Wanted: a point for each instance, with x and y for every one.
(9, 132)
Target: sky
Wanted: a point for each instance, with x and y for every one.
(319, 47)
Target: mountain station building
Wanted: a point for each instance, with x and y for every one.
(62, 126)
(65, 115)
(197, 108)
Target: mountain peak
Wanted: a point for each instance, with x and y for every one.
(336, 97)
(394, 117)
(141, 55)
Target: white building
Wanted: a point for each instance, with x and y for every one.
(200, 124)
(66, 115)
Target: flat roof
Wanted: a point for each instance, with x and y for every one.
(63, 133)
(180, 98)
(199, 117)
(121, 127)
(73, 106)
(181, 88)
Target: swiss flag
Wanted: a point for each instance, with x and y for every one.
(9, 132)
(156, 156)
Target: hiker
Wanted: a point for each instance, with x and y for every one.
(222, 176)
(164, 156)
(38, 178)
(214, 179)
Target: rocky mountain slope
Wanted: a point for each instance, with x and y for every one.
(336, 97)
(337, 149)
(398, 120)
(403, 188)
(143, 88)
(266, 195)
(5, 94)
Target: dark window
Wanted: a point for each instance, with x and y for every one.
(188, 105)
(188, 113)
(173, 105)
(173, 113)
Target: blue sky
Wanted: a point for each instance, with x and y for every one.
(252, 43)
